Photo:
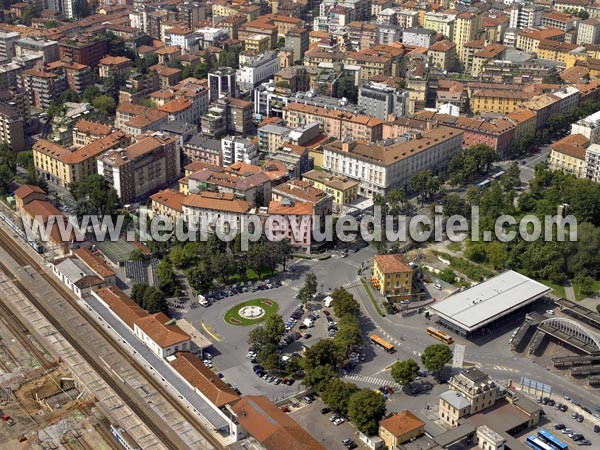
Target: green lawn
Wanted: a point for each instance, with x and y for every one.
(580, 295)
(370, 294)
(558, 289)
(233, 318)
(251, 275)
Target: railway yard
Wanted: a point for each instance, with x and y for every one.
(59, 393)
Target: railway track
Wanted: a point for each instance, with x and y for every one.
(158, 427)
(21, 333)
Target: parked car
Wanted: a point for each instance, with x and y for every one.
(564, 408)
(584, 442)
(579, 418)
(325, 410)
(559, 426)
(596, 428)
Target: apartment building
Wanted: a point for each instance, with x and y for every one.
(8, 40)
(221, 83)
(343, 189)
(11, 127)
(37, 46)
(568, 155)
(200, 148)
(528, 40)
(442, 55)
(560, 21)
(272, 137)
(143, 167)
(418, 37)
(168, 203)
(337, 124)
(380, 100)
(466, 28)
(136, 120)
(111, 66)
(589, 127)
(62, 166)
(210, 211)
(79, 76)
(498, 133)
(83, 49)
(238, 150)
(363, 35)
(592, 163)
(526, 16)
(43, 86)
(394, 276)
(440, 23)
(86, 132)
(257, 69)
(246, 181)
(486, 55)
(381, 167)
(502, 101)
(588, 32)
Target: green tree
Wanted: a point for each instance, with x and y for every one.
(585, 283)
(166, 278)
(136, 255)
(25, 159)
(349, 332)
(90, 93)
(344, 303)
(94, 197)
(310, 284)
(138, 292)
(348, 88)
(337, 394)
(436, 356)
(69, 96)
(455, 205)
(405, 372)
(177, 256)
(104, 104)
(35, 179)
(365, 409)
(318, 377)
(425, 185)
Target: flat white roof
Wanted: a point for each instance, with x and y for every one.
(489, 300)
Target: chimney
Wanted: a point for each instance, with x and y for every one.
(348, 146)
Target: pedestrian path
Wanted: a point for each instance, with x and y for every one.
(373, 380)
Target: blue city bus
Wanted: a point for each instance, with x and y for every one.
(535, 443)
(552, 440)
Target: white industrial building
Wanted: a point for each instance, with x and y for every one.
(480, 306)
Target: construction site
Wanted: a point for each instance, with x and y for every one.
(41, 405)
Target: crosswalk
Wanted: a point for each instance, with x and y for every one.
(373, 380)
(351, 283)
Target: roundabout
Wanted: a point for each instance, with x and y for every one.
(251, 312)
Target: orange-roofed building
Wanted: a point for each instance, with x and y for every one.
(110, 66)
(161, 335)
(85, 132)
(120, 304)
(271, 427)
(393, 276)
(294, 223)
(568, 155)
(27, 193)
(64, 167)
(203, 380)
(399, 428)
(168, 203)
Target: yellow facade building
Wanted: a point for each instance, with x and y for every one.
(497, 100)
(62, 166)
(343, 190)
(399, 428)
(392, 276)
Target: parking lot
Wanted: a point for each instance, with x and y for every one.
(324, 431)
(556, 417)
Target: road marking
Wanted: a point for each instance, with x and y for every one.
(209, 332)
(373, 380)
